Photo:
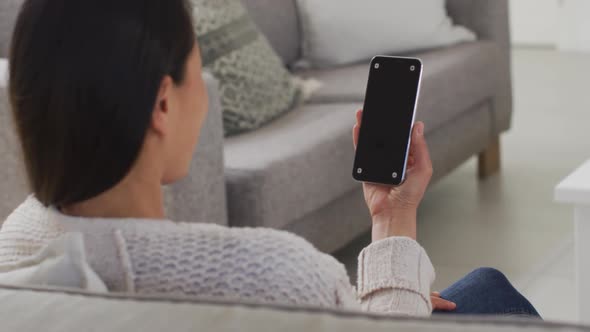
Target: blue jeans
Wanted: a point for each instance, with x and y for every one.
(487, 291)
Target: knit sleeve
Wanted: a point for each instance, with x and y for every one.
(395, 276)
(344, 292)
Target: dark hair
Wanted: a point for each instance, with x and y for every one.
(84, 78)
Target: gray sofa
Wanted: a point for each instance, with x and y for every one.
(295, 173)
(56, 311)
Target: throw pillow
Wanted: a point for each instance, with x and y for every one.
(255, 86)
(338, 32)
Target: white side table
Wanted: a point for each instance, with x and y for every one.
(3, 72)
(575, 190)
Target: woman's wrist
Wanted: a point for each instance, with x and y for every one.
(400, 224)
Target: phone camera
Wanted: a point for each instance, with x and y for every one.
(377, 66)
(413, 68)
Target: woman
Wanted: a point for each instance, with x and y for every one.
(108, 103)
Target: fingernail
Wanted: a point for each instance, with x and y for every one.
(420, 129)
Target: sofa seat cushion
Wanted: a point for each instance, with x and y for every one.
(291, 167)
(454, 80)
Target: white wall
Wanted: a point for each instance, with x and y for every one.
(3, 72)
(575, 26)
(534, 22)
(564, 24)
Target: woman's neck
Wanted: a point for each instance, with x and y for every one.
(134, 197)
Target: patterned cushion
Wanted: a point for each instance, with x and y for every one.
(255, 86)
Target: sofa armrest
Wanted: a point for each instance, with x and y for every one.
(13, 184)
(200, 197)
(490, 20)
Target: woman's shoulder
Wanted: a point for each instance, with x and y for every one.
(32, 214)
(161, 256)
(250, 263)
(213, 235)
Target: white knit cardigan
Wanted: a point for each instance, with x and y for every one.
(204, 260)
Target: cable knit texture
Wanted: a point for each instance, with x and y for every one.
(262, 265)
(395, 264)
(26, 232)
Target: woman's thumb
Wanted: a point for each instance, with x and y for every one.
(419, 149)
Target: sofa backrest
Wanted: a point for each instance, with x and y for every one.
(41, 310)
(8, 12)
(279, 21)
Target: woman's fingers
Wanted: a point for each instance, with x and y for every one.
(442, 304)
(419, 150)
(439, 303)
(357, 127)
(355, 135)
(411, 161)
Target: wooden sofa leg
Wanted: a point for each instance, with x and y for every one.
(489, 160)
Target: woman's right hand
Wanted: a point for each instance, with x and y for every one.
(394, 209)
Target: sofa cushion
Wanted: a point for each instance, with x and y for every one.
(9, 10)
(279, 21)
(329, 26)
(455, 79)
(291, 167)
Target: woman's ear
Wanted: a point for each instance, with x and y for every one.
(160, 114)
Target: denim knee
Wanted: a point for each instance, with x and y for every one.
(490, 276)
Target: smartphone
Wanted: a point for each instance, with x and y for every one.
(385, 135)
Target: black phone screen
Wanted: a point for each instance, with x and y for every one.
(388, 115)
